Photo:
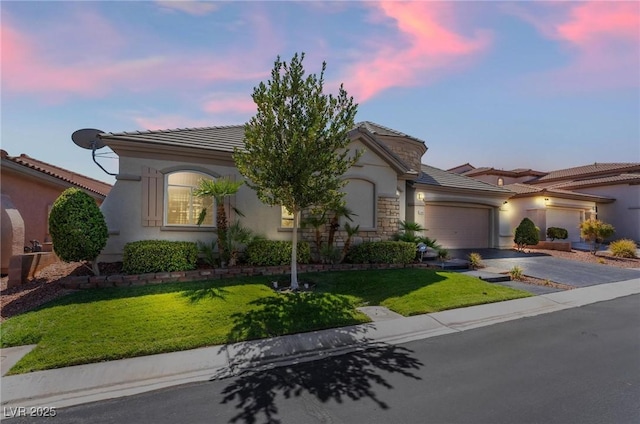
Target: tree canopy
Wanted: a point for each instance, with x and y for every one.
(296, 144)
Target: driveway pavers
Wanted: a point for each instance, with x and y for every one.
(546, 267)
(573, 273)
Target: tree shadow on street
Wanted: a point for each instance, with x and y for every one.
(346, 365)
(351, 376)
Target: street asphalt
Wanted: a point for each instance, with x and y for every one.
(93, 382)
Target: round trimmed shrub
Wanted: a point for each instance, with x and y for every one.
(526, 234)
(77, 227)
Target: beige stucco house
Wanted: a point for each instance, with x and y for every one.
(566, 197)
(152, 197)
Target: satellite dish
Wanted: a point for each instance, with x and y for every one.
(87, 138)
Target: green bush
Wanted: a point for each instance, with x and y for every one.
(274, 252)
(77, 227)
(557, 233)
(624, 248)
(526, 234)
(382, 252)
(145, 256)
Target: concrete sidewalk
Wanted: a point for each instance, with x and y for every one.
(87, 383)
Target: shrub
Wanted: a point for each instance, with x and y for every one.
(381, 252)
(624, 248)
(557, 233)
(77, 227)
(159, 256)
(516, 273)
(595, 231)
(208, 253)
(526, 234)
(330, 254)
(475, 260)
(273, 252)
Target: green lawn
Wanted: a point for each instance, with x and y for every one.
(105, 324)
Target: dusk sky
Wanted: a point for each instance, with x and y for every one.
(542, 85)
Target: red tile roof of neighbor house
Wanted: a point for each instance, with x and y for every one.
(603, 181)
(73, 178)
(589, 171)
(526, 190)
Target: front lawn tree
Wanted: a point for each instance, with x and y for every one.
(77, 227)
(296, 144)
(595, 232)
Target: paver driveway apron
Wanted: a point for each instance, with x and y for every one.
(573, 273)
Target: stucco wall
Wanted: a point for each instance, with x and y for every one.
(536, 208)
(123, 206)
(624, 213)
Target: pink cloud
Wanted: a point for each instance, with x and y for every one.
(429, 47)
(231, 103)
(602, 40)
(98, 63)
(197, 8)
(165, 122)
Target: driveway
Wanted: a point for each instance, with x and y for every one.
(545, 267)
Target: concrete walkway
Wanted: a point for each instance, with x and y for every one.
(87, 383)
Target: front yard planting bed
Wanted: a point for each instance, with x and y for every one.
(105, 324)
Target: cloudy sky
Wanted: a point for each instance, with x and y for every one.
(542, 85)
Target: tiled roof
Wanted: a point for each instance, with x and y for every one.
(612, 180)
(378, 129)
(518, 172)
(224, 138)
(81, 181)
(520, 188)
(439, 177)
(585, 171)
(525, 190)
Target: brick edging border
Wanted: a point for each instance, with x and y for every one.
(120, 280)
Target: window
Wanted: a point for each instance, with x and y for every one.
(361, 199)
(500, 181)
(286, 220)
(183, 208)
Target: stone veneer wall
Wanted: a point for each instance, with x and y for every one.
(387, 223)
(410, 152)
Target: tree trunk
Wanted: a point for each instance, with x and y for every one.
(94, 267)
(294, 252)
(221, 223)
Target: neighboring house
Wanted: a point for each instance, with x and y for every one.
(29, 188)
(566, 197)
(152, 197)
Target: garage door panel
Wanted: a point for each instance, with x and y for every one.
(568, 219)
(457, 227)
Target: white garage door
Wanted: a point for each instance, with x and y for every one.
(456, 227)
(569, 219)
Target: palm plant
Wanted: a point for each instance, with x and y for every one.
(409, 232)
(218, 189)
(337, 211)
(317, 221)
(236, 238)
(351, 231)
